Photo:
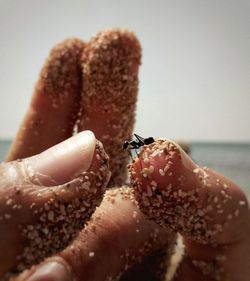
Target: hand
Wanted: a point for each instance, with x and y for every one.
(76, 91)
(210, 211)
(46, 199)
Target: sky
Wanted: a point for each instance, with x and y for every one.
(195, 73)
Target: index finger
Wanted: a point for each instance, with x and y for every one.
(210, 211)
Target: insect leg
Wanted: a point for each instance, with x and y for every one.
(131, 156)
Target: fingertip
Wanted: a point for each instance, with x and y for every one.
(61, 163)
(60, 75)
(161, 164)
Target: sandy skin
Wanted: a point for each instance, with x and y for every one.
(210, 211)
(118, 224)
(60, 105)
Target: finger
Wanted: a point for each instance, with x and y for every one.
(46, 199)
(116, 237)
(55, 103)
(110, 73)
(209, 210)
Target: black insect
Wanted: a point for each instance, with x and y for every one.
(137, 143)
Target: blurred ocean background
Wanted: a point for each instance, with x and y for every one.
(229, 159)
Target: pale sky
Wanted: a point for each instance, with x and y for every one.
(195, 75)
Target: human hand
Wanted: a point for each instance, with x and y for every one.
(46, 199)
(210, 211)
(83, 86)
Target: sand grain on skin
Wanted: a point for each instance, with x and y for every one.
(57, 214)
(194, 201)
(110, 86)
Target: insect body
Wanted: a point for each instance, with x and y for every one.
(137, 143)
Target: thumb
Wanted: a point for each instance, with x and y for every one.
(46, 199)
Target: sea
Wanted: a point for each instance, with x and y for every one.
(230, 159)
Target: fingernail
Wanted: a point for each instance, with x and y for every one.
(186, 160)
(62, 162)
(52, 271)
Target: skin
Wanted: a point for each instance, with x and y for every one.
(117, 217)
(232, 244)
(63, 115)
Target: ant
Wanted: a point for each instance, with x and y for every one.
(135, 144)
